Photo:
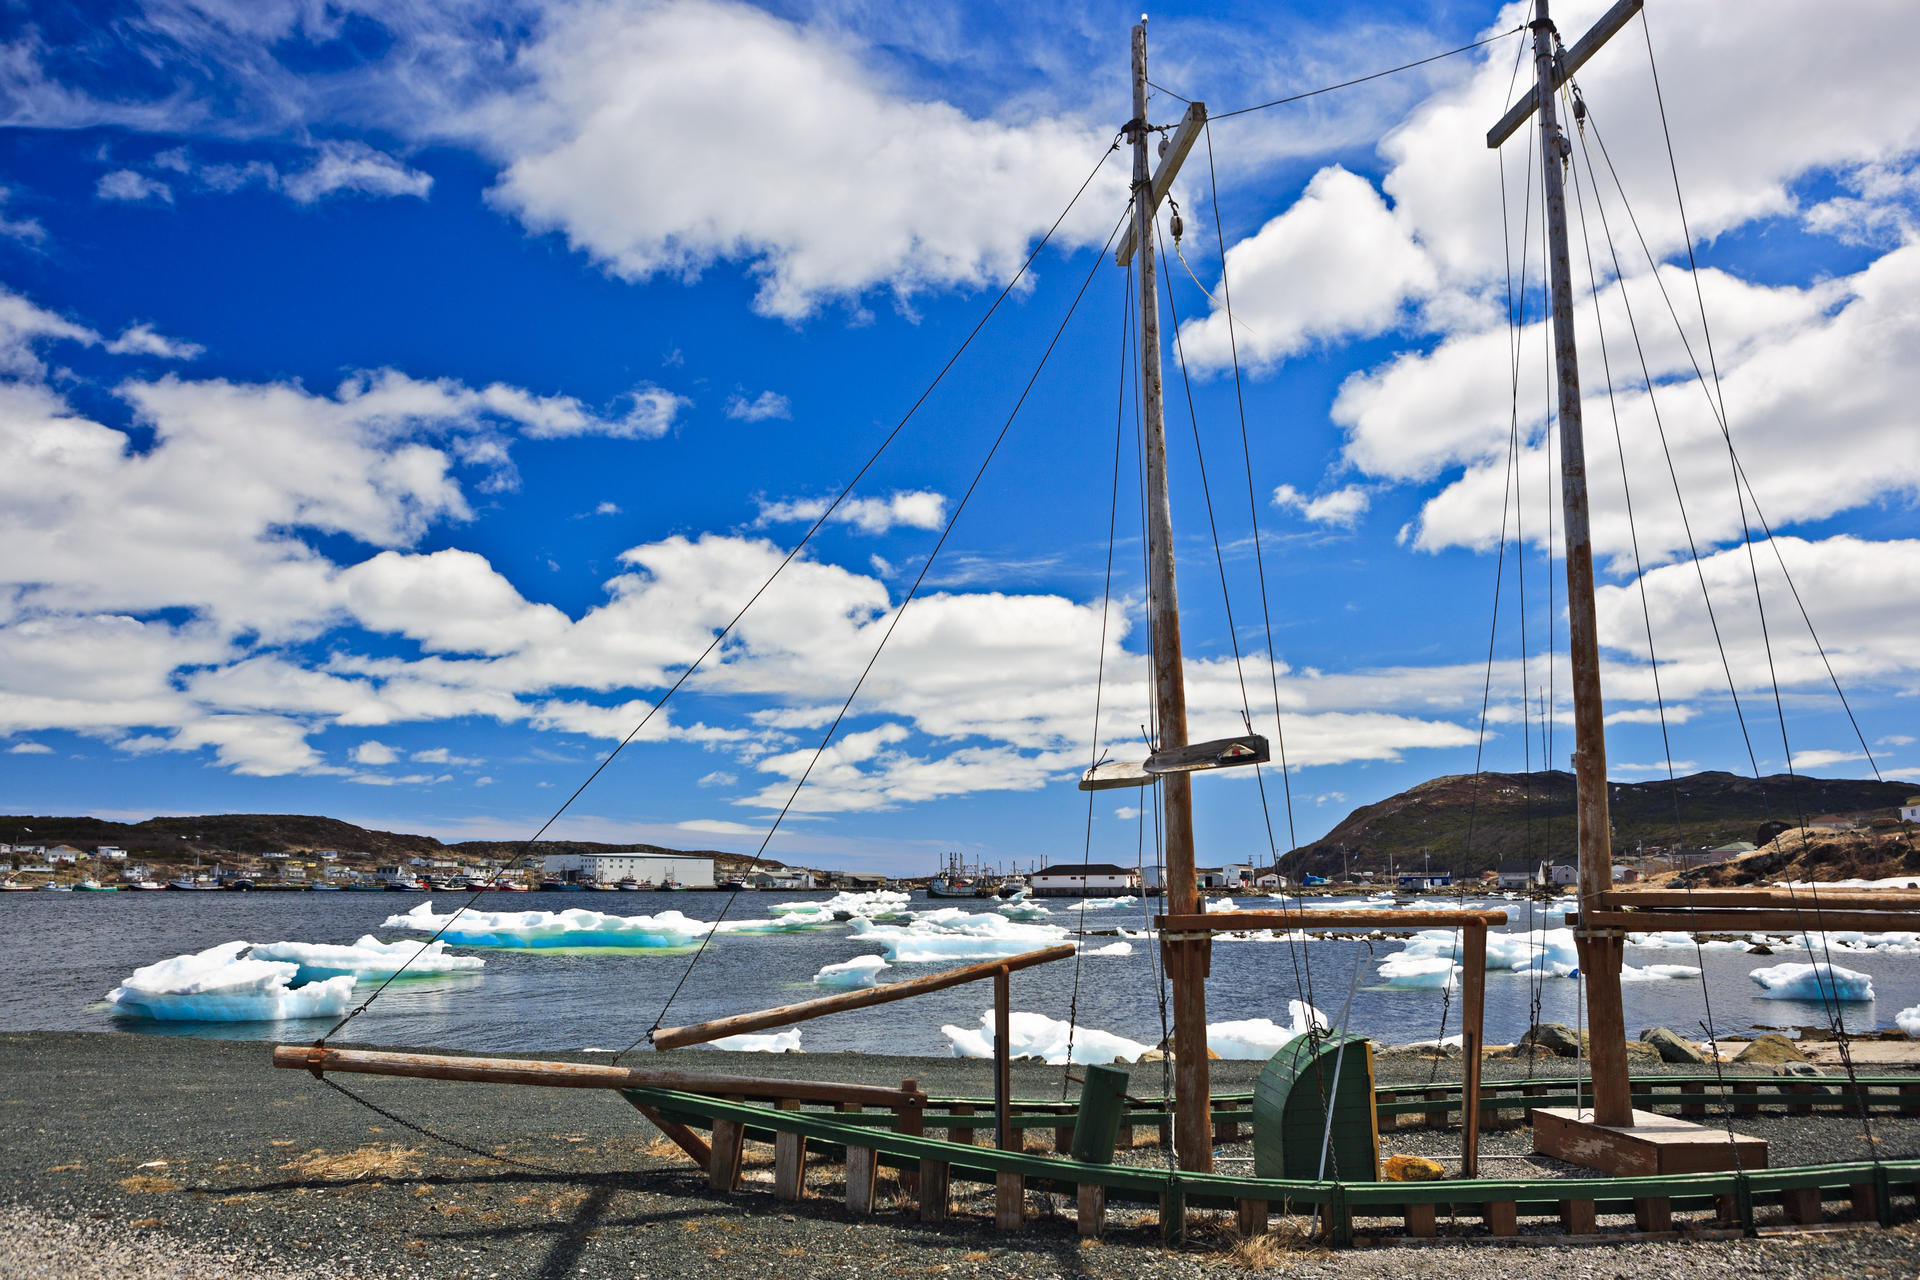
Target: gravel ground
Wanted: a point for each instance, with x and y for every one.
(152, 1157)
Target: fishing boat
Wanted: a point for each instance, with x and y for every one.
(90, 885)
(154, 886)
(956, 880)
(1317, 1096)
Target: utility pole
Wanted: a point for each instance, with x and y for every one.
(1187, 958)
(1600, 950)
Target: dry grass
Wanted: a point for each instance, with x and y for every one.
(148, 1222)
(363, 1162)
(148, 1185)
(66, 1168)
(663, 1149)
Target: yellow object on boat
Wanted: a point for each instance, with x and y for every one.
(1411, 1169)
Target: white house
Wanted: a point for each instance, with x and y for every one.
(1565, 873)
(1084, 880)
(1231, 876)
(1522, 875)
(63, 853)
(1910, 811)
(1269, 880)
(111, 852)
(648, 868)
(782, 878)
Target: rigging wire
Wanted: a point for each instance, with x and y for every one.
(1646, 614)
(1099, 680)
(527, 846)
(1347, 84)
(913, 591)
(1303, 963)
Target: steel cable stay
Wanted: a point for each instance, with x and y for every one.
(1716, 409)
(1100, 670)
(899, 613)
(806, 538)
(1302, 962)
(1219, 557)
(1825, 988)
(1653, 660)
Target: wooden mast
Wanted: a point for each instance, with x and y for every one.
(1600, 950)
(1186, 957)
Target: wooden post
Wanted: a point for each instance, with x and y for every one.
(961, 1133)
(1009, 1200)
(861, 1167)
(1186, 957)
(1092, 1209)
(1600, 951)
(789, 1160)
(1003, 1135)
(910, 1118)
(1473, 993)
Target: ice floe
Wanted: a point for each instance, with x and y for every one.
(861, 971)
(1111, 949)
(772, 1042)
(1023, 909)
(1257, 1038)
(953, 934)
(1550, 951)
(1657, 972)
(1673, 940)
(872, 904)
(1405, 970)
(1813, 982)
(1908, 1020)
(221, 985)
(369, 959)
(1038, 1036)
(547, 930)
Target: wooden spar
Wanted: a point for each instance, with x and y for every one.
(1186, 959)
(1386, 920)
(1808, 902)
(1182, 142)
(1473, 1002)
(1743, 920)
(1600, 952)
(786, 1015)
(574, 1075)
(1575, 58)
(1003, 1136)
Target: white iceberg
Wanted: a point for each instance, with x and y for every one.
(1111, 949)
(369, 960)
(1908, 1020)
(771, 1042)
(1673, 940)
(951, 934)
(1550, 951)
(871, 904)
(220, 985)
(1257, 1038)
(1036, 1035)
(1813, 982)
(548, 930)
(1023, 909)
(1101, 904)
(1404, 970)
(861, 971)
(1657, 972)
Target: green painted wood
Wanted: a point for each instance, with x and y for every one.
(1103, 1098)
(1290, 1110)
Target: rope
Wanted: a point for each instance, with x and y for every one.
(1347, 84)
(436, 1136)
(1100, 677)
(913, 591)
(527, 847)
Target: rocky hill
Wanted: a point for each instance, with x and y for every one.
(1472, 822)
(212, 835)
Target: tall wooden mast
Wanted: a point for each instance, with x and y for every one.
(1600, 950)
(1186, 957)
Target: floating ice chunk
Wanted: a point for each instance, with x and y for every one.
(218, 985)
(1813, 982)
(1256, 1038)
(776, 924)
(1037, 1035)
(872, 903)
(861, 971)
(1023, 909)
(1111, 949)
(546, 930)
(1655, 972)
(1222, 904)
(369, 960)
(1673, 940)
(1404, 970)
(1908, 1020)
(1102, 904)
(772, 1042)
(951, 934)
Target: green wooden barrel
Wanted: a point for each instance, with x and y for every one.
(1290, 1111)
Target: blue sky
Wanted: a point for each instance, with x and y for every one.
(395, 398)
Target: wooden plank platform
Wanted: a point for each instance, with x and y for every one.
(1653, 1145)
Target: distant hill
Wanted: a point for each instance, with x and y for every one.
(210, 835)
(1511, 816)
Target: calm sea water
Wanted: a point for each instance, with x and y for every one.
(64, 952)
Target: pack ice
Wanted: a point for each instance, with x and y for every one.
(861, 971)
(221, 985)
(952, 934)
(1813, 982)
(542, 930)
(369, 959)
